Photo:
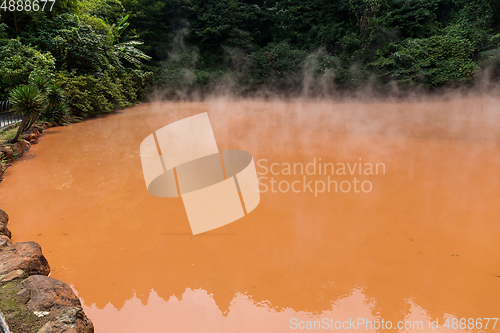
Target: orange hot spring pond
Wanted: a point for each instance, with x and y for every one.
(414, 239)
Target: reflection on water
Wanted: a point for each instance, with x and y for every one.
(197, 312)
(423, 243)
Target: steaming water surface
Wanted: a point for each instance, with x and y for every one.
(420, 245)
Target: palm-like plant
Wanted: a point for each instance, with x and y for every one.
(37, 98)
(28, 101)
(55, 94)
(57, 114)
(41, 82)
(57, 111)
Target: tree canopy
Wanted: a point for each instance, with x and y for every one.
(106, 52)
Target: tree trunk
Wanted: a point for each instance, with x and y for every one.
(21, 129)
(33, 121)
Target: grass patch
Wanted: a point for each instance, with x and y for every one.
(8, 134)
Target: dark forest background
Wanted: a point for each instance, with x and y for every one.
(109, 54)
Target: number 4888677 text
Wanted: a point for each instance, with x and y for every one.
(26, 5)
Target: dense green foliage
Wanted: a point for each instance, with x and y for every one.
(294, 45)
(99, 50)
(18, 61)
(77, 51)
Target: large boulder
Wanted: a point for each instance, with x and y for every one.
(46, 293)
(26, 256)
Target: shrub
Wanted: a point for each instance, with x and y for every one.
(432, 61)
(279, 65)
(90, 95)
(18, 62)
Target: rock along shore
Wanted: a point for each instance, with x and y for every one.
(30, 301)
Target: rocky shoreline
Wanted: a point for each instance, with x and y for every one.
(30, 300)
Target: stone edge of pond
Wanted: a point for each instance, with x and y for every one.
(30, 300)
(10, 152)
